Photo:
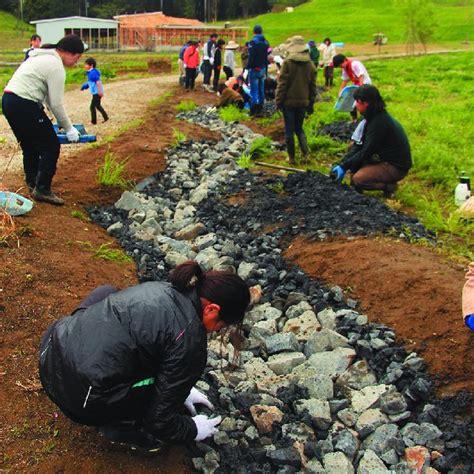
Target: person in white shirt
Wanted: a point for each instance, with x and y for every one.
(38, 81)
(229, 59)
(353, 71)
(328, 51)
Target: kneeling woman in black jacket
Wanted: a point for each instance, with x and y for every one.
(127, 360)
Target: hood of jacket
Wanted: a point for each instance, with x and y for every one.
(299, 57)
(44, 52)
(259, 39)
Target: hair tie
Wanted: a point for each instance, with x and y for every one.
(193, 282)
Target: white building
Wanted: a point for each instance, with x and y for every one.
(97, 33)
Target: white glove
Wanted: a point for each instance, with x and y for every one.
(206, 427)
(194, 397)
(72, 135)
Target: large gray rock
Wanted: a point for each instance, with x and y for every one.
(332, 363)
(347, 443)
(199, 194)
(204, 241)
(174, 259)
(372, 417)
(371, 464)
(367, 397)
(324, 340)
(245, 269)
(207, 258)
(298, 432)
(129, 201)
(284, 363)
(302, 326)
(425, 434)
(319, 386)
(328, 319)
(357, 376)
(282, 342)
(318, 410)
(337, 463)
(314, 467)
(261, 312)
(385, 438)
(256, 369)
(392, 402)
(298, 309)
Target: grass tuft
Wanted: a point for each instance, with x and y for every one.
(105, 252)
(260, 148)
(112, 171)
(245, 161)
(178, 138)
(231, 113)
(186, 106)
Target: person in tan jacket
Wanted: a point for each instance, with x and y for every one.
(468, 298)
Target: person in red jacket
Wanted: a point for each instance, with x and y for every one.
(191, 63)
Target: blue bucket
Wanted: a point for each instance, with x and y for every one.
(345, 103)
(14, 204)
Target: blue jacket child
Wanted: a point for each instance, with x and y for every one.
(94, 84)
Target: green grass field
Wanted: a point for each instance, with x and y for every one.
(356, 21)
(433, 98)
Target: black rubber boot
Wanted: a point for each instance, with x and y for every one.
(30, 179)
(47, 196)
(290, 148)
(304, 147)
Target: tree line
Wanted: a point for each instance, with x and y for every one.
(204, 10)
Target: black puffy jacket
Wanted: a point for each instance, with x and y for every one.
(90, 360)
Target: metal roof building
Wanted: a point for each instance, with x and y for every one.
(97, 33)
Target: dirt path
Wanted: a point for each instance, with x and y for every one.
(124, 101)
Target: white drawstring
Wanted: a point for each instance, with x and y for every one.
(87, 396)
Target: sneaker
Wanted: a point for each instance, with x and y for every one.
(105, 119)
(48, 197)
(131, 437)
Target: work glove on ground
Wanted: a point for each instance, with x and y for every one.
(72, 135)
(337, 173)
(469, 322)
(206, 427)
(195, 397)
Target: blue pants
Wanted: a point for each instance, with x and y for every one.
(257, 86)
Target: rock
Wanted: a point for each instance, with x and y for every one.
(251, 433)
(390, 457)
(256, 369)
(221, 438)
(285, 456)
(302, 326)
(318, 410)
(261, 312)
(263, 329)
(346, 443)
(245, 269)
(297, 310)
(372, 417)
(367, 397)
(425, 434)
(327, 318)
(332, 363)
(204, 241)
(129, 201)
(337, 463)
(190, 232)
(174, 259)
(417, 458)
(392, 402)
(207, 258)
(320, 386)
(199, 194)
(281, 342)
(298, 432)
(385, 438)
(347, 416)
(314, 467)
(265, 416)
(357, 376)
(284, 363)
(115, 228)
(324, 340)
(371, 464)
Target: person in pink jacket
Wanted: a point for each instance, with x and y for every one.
(468, 298)
(191, 63)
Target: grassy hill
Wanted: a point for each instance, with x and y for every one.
(14, 35)
(357, 20)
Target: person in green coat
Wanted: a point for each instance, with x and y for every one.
(296, 93)
(314, 55)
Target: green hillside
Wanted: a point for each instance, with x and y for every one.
(14, 35)
(357, 20)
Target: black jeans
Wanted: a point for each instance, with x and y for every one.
(293, 118)
(95, 104)
(190, 78)
(206, 71)
(217, 74)
(37, 138)
(228, 72)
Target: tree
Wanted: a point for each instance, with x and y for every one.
(419, 22)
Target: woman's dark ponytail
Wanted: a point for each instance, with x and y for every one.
(186, 276)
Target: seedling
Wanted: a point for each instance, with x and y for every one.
(245, 161)
(231, 113)
(80, 215)
(178, 137)
(105, 252)
(111, 172)
(186, 106)
(260, 148)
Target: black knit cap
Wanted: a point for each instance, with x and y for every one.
(71, 43)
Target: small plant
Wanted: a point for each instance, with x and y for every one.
(111, 172)
(26, 230)
(105, 252)
(264, 122)
(186, 106)
(277, 187)
(245, 161)
(231, 113)
(260, 148)
(178, 138)
(80, 215)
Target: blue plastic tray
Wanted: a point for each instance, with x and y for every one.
(345, 103)
(15, 204)
(84, 136)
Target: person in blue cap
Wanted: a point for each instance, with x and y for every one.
(257, 66)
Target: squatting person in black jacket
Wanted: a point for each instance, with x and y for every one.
(380, 156)
(127, 361)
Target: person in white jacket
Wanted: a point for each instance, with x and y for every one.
(39, 81)
(328, 51)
